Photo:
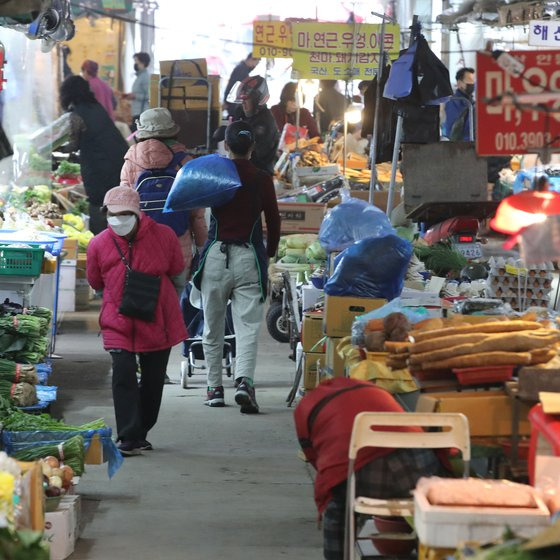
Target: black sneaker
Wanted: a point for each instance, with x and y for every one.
(245, 397)
(215, 397)
(129, 448)
(145, 445)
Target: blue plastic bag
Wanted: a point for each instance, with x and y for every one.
(372, 268)
(204, 182)
(352, 221)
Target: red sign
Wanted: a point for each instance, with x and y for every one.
(502, 127)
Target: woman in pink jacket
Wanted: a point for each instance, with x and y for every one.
(157, 144)
(153, 249)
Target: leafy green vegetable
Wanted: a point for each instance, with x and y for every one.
(440, 258)
(70, 451)
(38, 163)
(18, 421)
(67, 169)
(23, 545)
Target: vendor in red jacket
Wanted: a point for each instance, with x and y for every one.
(324, 419)
(286, 112)
(153, 249)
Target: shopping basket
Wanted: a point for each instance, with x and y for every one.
(21, 261)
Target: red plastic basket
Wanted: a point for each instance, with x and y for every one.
(481, 375)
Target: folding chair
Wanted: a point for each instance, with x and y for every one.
(366, 432)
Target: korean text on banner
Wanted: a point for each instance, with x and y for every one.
(340, 51)
(501, 127)
(544, 33)
(272, 39)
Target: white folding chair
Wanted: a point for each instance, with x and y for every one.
(367, 432)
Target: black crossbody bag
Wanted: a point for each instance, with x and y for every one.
(140, 292)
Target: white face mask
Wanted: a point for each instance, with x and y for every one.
(122, 225)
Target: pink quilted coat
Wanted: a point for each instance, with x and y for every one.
(154, 154)
(155, 250)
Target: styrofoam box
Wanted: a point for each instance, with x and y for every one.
(67, 276)
(447, 527)
(310, 296)
(67, 301)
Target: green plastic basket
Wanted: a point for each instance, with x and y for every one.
(19, 261)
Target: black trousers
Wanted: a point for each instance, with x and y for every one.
(137, 404)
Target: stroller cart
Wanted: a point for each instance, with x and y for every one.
(191, 305)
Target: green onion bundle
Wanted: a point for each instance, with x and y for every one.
(16, 373)
(42, 313)
(28, 325)
(70, 452)
(19, 421)
(21, 394)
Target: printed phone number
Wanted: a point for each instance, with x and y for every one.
(510, 142)
(274, 52)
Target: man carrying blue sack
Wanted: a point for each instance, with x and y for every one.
(234, 267)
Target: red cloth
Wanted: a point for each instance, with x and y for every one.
(155, 250)
(236, 219)
(103, 93)
(305, 119)
(329, 439)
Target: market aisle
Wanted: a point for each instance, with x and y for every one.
(219, 484)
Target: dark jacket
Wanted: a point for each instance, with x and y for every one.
(239, 221)
(330, 106)
(305, 119)
(102, 149)
(267, 137)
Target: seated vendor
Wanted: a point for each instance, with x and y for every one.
(324, 420)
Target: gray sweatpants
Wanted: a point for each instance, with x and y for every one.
(231, 275)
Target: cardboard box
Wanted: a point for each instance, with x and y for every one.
(311, 374)
(60, 532)
(185, 94)
(340, 312)
(94, 454)
(313, 175)
(334, 364)
(70, 249)
(186, 67)
(83, 294)
(73, 502)
(489, 412)
(300, 217)
(312, 333)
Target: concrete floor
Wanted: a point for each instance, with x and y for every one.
(218, 484)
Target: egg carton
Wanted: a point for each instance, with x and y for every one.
(524, 283)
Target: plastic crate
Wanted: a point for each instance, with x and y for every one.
(16, 261)
(481, 375)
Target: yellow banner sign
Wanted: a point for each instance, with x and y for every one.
(341, 51)
(272, 39)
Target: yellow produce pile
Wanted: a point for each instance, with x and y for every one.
(312, 158)
(498, 343)
(75, 228)
(364, 175)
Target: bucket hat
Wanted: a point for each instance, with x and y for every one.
(156, 123)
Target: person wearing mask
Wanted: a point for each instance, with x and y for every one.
(240, 72)
(457, 122)
(102, 147)
(324, 419)
(330, 105)
(157, 146)
(234, 267)
(286, 112)
(140, 95)
(134, 240)
(253, 94)
(102, 91)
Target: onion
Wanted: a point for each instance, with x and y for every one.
(52, 461)
(57, 472)
(55, 481)
(67, 474)
(47, 470)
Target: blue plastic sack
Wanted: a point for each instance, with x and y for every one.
(372, 268)
(204, 182)
(352, 221)
(12, 442)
